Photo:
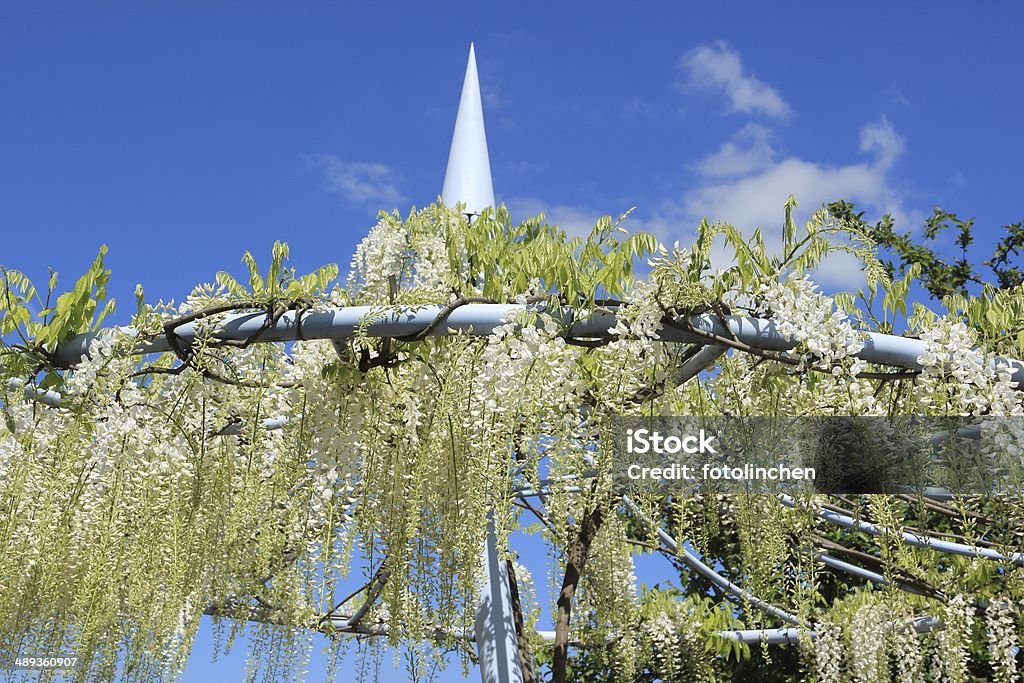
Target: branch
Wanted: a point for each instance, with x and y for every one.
(371, 597)
(575, 565)
(904, 579)
(274, 314)
(525, 660)
(523, 503)
(443, 314)
(673, 322)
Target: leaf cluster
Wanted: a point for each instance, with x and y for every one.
(942, 275)
(280, 281)
(41, 322)
(506, 258)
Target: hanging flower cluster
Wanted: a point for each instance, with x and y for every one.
(908, 652)
(411, 254)
(961, 378)
(869, 662)
(641, 317)
(380, 255)
(952, 642)
(259, 480)
(527, 394)
(1000, 626)
(805, 315)
(828, 652)
(677, 645)
(871, 638)
(141, 515)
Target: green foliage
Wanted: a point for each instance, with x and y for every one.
(280, 282)
(942, 276)
(997, 308)
(391, 453)
(42, 324)
(506, 258)
(998, 315)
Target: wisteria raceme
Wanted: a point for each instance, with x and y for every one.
(641, 317)
(952, 642)
(868, 639)
(1001, 630)
(378, 257)
(676, 645)
(809, 317)
(829, 652)
(961, 378)
(907, 652)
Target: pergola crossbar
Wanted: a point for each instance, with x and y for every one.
(341, 323)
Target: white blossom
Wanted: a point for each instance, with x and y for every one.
(958, 377)
(804, 315)
(952, 641)
(828, 652)
(1001, 633)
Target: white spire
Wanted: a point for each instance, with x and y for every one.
(468, 178)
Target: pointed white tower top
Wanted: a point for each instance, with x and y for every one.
(468, 178)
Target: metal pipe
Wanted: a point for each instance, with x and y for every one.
(916, 540)
(862, 573)
(700, 361)
(482, 319)
(48, 397)
(771, 636)
(695, 563)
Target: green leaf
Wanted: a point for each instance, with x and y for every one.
(789, 226)
(140, 299)
(255, 281)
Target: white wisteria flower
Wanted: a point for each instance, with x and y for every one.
(805, 315)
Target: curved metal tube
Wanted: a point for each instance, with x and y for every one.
(700, 361)
(481, 319)
(916, 540)
(696, 564)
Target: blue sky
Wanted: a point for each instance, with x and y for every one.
(181, 137)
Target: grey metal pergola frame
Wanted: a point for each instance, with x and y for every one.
(481, 320)
(468, 181)
(495, 633)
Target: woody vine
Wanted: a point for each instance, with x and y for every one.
(250, 479)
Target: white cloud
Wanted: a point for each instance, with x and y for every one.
(896, 96)
(757, 199)
(754, 191)
(746, 183)
(358, 181)
(748, 150)
(491, 97)
(882, 140)
(718, 68)
(637, 108)
(577, 221)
